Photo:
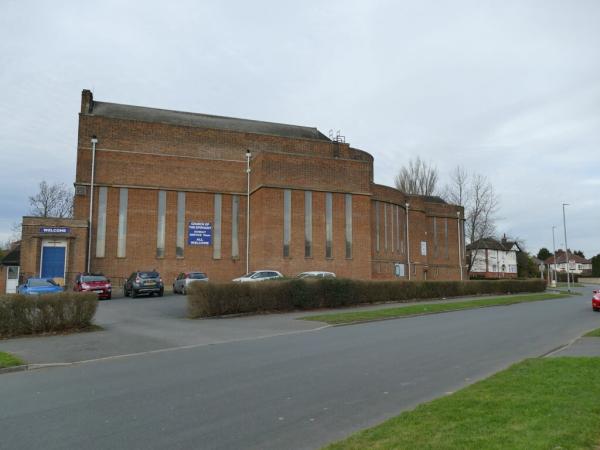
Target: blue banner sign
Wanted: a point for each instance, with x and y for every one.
(199, 233)
(55, 230)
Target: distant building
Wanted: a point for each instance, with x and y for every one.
(491, 258)
(577, 264)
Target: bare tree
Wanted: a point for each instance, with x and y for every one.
(477, 196)
(418, 178)
(54, 200)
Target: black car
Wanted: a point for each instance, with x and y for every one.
(143, 283)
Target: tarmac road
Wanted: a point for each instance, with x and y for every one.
(283, 392)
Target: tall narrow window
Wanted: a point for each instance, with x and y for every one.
(446, 236)
(392, 228)
(385, 226)
(180, 224)
(348, 211)
(377, 226)
(328, 225)
(287, 221)
(235, 218)
(397, 216)
(160, 225)
(122, 231)
(308, 224)
(101, 227)
(435, 238)
(217, 228)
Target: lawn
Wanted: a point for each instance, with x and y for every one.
(8, 360)
(543, 403)
(593, 333)
(432, 308)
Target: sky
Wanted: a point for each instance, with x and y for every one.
(507, 89)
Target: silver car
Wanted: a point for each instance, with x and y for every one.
(258, 275)
(184, 279)
(316, 274)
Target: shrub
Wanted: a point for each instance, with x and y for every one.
(31, 314)
(220, 299)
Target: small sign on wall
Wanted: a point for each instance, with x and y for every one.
(199, 233)
(423, 248)
(399, 270)
(55, 230)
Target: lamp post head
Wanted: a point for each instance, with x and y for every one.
(248, 154)
(458, 214)
(407, 205)
(94, 139)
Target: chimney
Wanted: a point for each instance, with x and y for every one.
(87, 101)
(504, 239)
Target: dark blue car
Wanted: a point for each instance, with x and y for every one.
(36, 286)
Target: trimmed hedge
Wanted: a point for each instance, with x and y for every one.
(219, 299)
(32, 314)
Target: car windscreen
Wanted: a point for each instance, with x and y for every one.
(92, 278)
(41, 283)
(248, 275)
(148, 274)
(197, 276)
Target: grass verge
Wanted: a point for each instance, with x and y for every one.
(432, 308)
(593, 333)
(8, 360)
(543, 403)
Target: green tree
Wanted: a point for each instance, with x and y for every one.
(544, 254)
(579, 253)
(526, 267)
(596, 266)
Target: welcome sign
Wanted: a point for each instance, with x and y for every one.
(55, 230)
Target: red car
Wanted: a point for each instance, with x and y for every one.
(97, 283)
(596, 300)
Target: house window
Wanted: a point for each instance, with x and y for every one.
(308, 224)
(287, 221)
(377, 226)
(122, 230)
(160, 226)
(101, 229)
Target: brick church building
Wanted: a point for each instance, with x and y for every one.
(170, 193)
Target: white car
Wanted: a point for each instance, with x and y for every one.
(316, 274)
(259, 275)
(184, 279)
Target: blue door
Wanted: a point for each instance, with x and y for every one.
(53, 262)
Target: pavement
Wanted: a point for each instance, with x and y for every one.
(293, 391)
(150, 324)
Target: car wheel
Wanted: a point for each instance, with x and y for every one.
(109, 297)
(133, 293)
(184, 290)
(596, 309)
(161, 292)
(125, 293)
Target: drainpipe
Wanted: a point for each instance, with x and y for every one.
(406, 205)
(248, 155)
(94, 141)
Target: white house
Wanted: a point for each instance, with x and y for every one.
(577, 264)
(491, 258)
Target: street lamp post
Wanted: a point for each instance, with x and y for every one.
(94, 141)
(460, 264)
(554, 252)
(407, 205)
(566, 247)
(248, 156)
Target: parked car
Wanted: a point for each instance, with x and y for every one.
(36, 286)
(316, 274)
(258, 275)
(184, 279)
(596, 300)
(93, 282)
(140, 282)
